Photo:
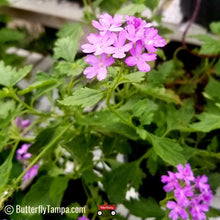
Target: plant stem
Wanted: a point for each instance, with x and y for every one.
(55, 140)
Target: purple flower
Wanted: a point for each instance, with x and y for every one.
(177, 210)
(31, 173)
(152, 40)
(99, 44)
(120, 46)
(21, 123)
(22, 152)
(137, 22)
(107, 23)
(132, 34)
(185, 174)
(171, 181)
(83, 218)
(186, 193)
(181, 194)
(201, 183)
(140, 59)
(99, 66)
(197, 209)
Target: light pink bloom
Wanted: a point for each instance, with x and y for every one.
(107, 23)
(185, 173)
(120, 46)
(132, 34)
(99, 66)
(177, 210)
(31, 173)
(152, 40)
(22, 152)
(137, 22)
(99, 44)
(22, 123)
(140, 59)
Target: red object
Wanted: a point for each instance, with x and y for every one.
(107, 207)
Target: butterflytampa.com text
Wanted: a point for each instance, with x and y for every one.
(43, 209)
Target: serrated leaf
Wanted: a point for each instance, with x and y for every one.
(207, 123)
(10, 76)
(107, 123)
(178, 119)
(116, 182)
(211, 46)
(169, 150)
(144, 208)
(136, 77)
(144, 110)
(212, 90)
(5, 170)
(159, 93)
(71, 69)
(67, 45)
(84, 97)
(131, 9)
(215, 27)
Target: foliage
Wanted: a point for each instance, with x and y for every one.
(154, 120)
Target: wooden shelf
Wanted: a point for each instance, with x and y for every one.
(48, 12)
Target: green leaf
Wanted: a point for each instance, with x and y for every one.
(71, 69)
(116, 182)
(207, 123)
(214, 181)
(144, 208)
(84, 97)
(10, 35)
(5, 170)
(136, 77)
(215, 27)
(131, 9)
(168, 71)
(159, 93)
(212, 90)
(152, 4)
(4, 2)
(57, 189)
(107, 123)
(211, 46)
(79, 148)
(178, 119)
(144, 110)
(68, 29)
(110, 6)
(217, 68)
(6, 108)
(41, 80)
(38, 194)
(169, 150)
(67, 45)
(9, 76)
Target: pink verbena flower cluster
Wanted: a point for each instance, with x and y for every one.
(120, 38)
(22, 153)
(191, 193)
(23, 156)
(21, 123)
